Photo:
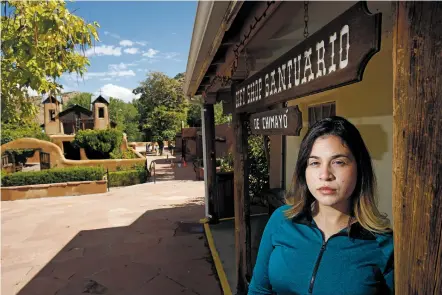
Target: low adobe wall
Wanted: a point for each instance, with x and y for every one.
(58, 160)
(76, 188)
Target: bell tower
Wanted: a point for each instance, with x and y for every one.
(51, 110)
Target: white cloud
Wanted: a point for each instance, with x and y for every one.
(151, 53)
(105, 79)
(109, 74)
(112, 35)
(131, 50)
(117, 67)
(142, 43)
(170, 55)
(104, 50)
(127, 43)
(117, 92)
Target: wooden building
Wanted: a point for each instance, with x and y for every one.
(280, 66)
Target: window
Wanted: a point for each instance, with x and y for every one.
(319, 112)
(100, 112)
(52, 115)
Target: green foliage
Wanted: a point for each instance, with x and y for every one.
(83, 99)
(164, 123)
(40, 41)
(127, 177)
(139, 166)
(162, 106)
(127, 117)
(10, 132)
(226, 163)
(258, 167)
(122, 155)
(99, 144)
(194, 115)
(55, 175)
(220, 118)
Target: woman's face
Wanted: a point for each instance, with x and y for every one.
(331, 172)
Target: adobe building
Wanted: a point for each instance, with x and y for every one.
(69, 121)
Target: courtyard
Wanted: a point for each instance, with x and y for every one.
(141, 239)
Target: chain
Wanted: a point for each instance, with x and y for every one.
(226, 80)
(247, 62)
(305, 19)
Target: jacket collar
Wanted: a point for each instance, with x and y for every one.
(355, 230)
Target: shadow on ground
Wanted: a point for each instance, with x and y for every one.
(162, 252)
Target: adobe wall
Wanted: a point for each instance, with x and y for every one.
(13, 193)
(58, 160)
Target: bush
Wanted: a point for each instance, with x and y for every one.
(139, 166)
(128, 177)
(55, 175)
(99, 144)
(129, 154)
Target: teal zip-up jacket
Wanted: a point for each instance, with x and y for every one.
(294, 259)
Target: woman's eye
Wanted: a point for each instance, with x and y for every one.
(314, 163)
(340, 163)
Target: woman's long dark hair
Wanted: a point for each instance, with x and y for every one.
(363, 200)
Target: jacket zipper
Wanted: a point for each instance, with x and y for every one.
(318, 260)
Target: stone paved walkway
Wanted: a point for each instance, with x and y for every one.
(143, 239)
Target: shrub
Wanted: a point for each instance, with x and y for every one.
(128, 177)
(139, 166)
(99, 144)
(55, 175)
(129, 154)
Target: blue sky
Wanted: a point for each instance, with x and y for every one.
(135, 38)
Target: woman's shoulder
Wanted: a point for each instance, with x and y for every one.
(386, 244)
(278, 216)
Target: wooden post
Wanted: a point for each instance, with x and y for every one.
(242, 202)
(209, 125)
(417, 147)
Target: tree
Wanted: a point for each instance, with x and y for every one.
(164, 123)
(127, 118)
(220, 118)
(82, 99)
(159, 90)
(194, 115)
(162, 106)
(40, 41)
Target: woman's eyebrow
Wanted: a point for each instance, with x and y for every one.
(333, 157)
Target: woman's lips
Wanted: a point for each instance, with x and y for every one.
(327, 191)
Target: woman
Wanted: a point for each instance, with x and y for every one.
(331, 238)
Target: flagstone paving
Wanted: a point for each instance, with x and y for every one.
(142, 239)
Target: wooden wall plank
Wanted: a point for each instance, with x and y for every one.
(417, 147)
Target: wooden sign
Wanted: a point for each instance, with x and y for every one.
(334, 56)
(286, 121)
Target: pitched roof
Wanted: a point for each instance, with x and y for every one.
(77, 108)
(100, 98)
(50, 99)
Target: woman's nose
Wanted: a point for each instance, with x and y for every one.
(325, 173)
